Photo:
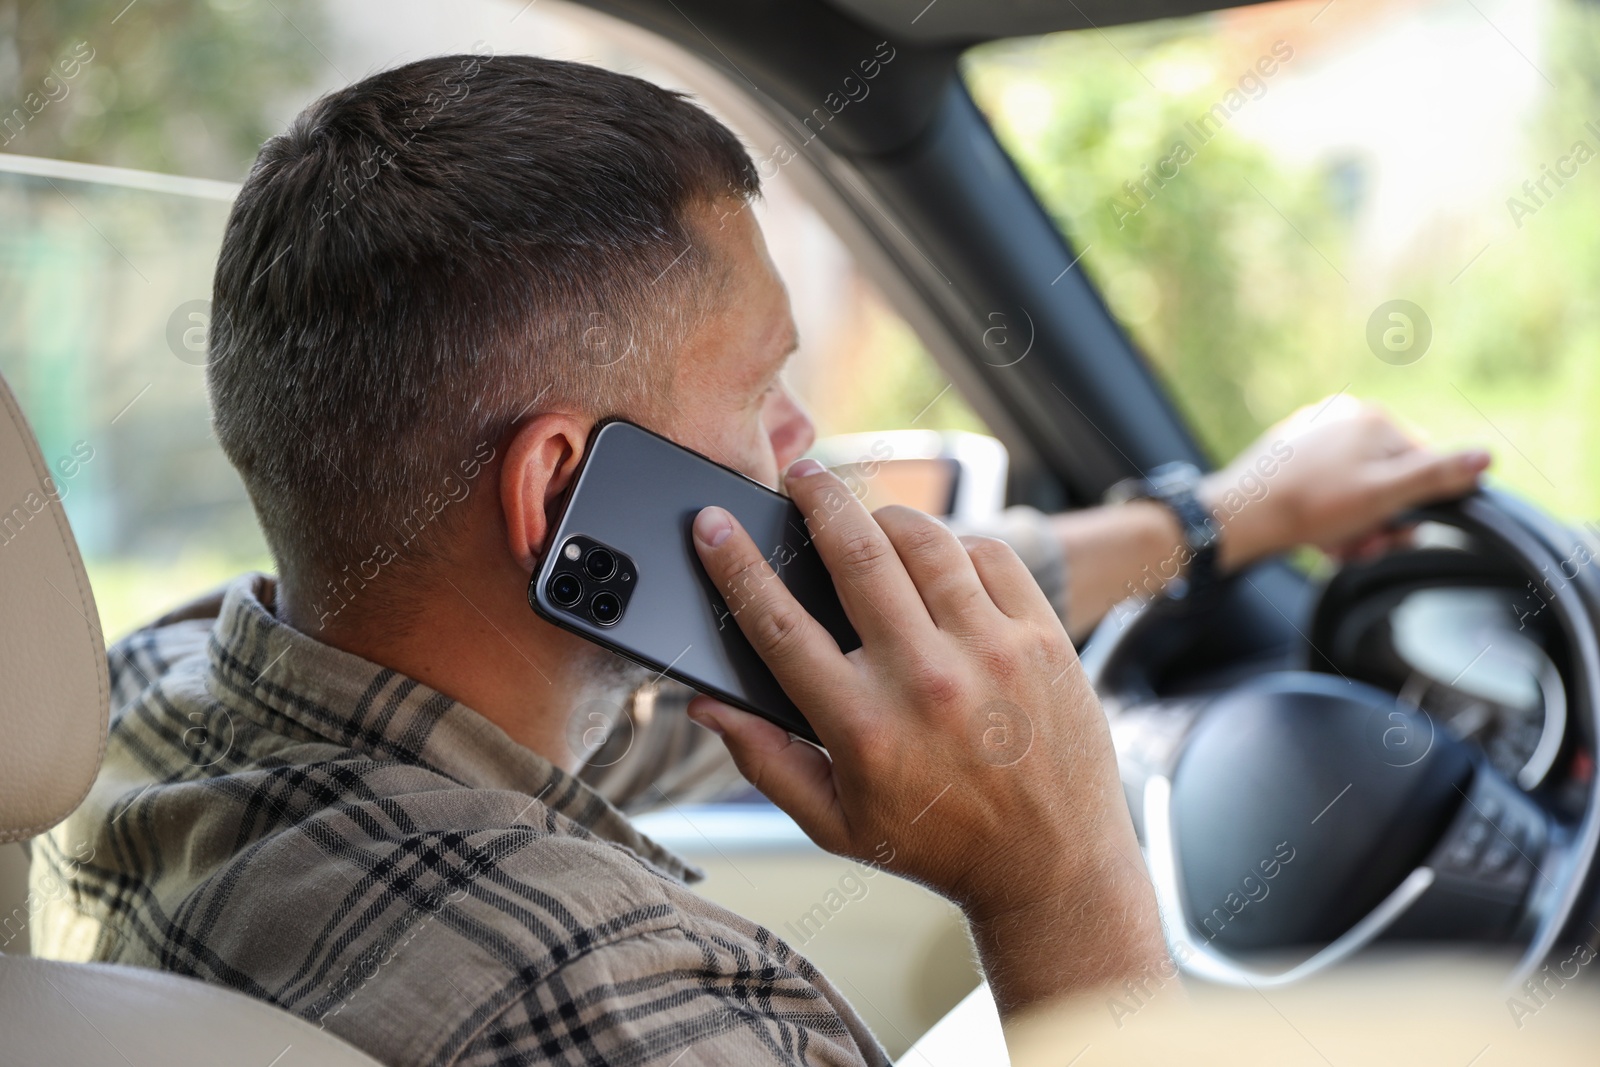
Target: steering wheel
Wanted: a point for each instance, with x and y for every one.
(1299, 800)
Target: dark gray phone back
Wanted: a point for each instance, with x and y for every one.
(636, 495)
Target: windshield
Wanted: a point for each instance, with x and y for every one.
(1289, 201)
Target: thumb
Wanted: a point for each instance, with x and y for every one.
(1422, 476)
(794, 775)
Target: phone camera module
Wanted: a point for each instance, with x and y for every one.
(587, 582)
(606, 608)
(600, 564)
(566, 590)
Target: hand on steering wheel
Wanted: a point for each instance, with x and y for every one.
(1333, 475)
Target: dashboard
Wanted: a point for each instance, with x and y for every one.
(1475, 648)
(1482, 677)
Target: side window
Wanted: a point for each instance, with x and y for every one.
(104, 274)
(103, 316)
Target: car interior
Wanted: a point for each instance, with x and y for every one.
(1407, 742)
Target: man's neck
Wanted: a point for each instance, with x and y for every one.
(473, 638)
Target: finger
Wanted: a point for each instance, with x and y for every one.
(878, 595)
(800, 653)
(1422, 476)
(1007, 579)
(792, 774)
(940, 568)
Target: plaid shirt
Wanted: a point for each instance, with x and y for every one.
(304, 826)
(296, 823)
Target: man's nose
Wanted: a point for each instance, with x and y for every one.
(789, 427)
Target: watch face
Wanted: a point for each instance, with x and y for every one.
(1175, 476)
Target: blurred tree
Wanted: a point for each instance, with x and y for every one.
(1208, 252)
(178, 86)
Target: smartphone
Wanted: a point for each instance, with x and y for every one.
(622, 569)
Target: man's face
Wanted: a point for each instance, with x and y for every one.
(730, 402)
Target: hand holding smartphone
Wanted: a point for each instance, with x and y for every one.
(968, 750)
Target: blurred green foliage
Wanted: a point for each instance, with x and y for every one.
(1231, 278)
(89, 274)
(1195, 259)
(176, 86)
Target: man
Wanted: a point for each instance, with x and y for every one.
(351, 791)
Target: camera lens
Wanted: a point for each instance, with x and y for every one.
(600, 564)
(606, 608)
(566, 590)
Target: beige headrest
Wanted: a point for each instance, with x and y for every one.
(54, 696)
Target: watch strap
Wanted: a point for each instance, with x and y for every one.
(1176, 485)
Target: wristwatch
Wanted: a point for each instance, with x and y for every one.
(1177, 486)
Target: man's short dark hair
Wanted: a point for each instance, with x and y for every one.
(428, 254)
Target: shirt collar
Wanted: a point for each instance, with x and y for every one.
(266, 669)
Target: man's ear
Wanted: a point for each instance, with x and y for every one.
(539, 465)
